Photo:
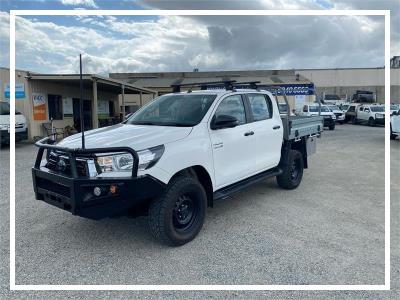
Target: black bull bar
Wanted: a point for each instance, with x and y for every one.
(74, 193)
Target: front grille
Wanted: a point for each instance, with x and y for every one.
(61, 163)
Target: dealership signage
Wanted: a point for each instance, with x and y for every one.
(292, 89)
(39, 107)
(19, 90)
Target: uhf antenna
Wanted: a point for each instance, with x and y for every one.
(81, 102)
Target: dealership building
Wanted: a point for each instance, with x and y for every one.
(45, 97)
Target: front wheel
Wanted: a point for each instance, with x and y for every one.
(177, 217)
(392, 136)
(292, 172)
(371, 122)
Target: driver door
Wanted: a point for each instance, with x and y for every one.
(234, 149)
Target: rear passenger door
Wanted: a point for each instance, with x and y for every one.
(268, 131)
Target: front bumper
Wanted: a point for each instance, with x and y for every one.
(75, 193)
(329, 122)
(380, 121)
(19, 136)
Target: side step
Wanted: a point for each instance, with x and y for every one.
(225, 192)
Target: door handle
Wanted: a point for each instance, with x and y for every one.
(276, 127)
(248, 133)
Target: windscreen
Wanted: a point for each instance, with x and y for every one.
(185, 110)
(315, 109)
(377, 108)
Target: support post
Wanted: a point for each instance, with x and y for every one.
(95, 113)
(123, 101)
(140, 99)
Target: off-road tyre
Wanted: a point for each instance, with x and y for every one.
(292, 171)
(168, 219)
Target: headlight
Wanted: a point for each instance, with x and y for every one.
(333, 117)
(379, 116)
(3, 126)
(123, 162)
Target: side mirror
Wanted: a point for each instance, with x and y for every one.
(395, 113)
(224, 121)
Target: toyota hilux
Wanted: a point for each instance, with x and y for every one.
(174, 157)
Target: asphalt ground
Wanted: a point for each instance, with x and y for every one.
(328, 231)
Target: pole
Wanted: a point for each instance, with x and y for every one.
(81, 102)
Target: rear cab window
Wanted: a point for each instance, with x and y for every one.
(261, 106)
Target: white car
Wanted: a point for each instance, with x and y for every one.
(393, 108)
(371, 114)
(340, 115)
(21, 129)
(312, 109)
(174, 157)
(395, 125)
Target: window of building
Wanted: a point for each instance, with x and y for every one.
(55, 107)
(261, 106)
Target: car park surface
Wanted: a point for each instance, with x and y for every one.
(328, 231)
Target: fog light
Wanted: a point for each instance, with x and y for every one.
(97, 191)
(113, 189)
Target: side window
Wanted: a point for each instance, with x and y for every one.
(361, 108)
(352, 109)
(305, 108)
(232, 106)
(261, 106)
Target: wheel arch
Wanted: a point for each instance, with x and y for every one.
(202, 175)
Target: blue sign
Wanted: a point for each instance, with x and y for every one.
(291, 89)
(19, 90)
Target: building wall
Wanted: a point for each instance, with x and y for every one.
(347, 81)
(25, 105)
(39, 86)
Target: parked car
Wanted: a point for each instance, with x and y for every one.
(340, 115)
(393, 108)
(21, 129)
(176, 156)
(395, 125)
(313, 110)
(370, 114)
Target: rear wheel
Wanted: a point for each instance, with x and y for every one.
(292, 172)
(177, 217)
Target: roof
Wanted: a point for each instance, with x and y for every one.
(105, 83)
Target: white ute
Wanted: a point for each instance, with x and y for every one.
(21, 129)
(395, 125)
(176, 156)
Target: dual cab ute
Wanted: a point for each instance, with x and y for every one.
(174, 157)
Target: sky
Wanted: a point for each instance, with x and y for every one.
(51, 44)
